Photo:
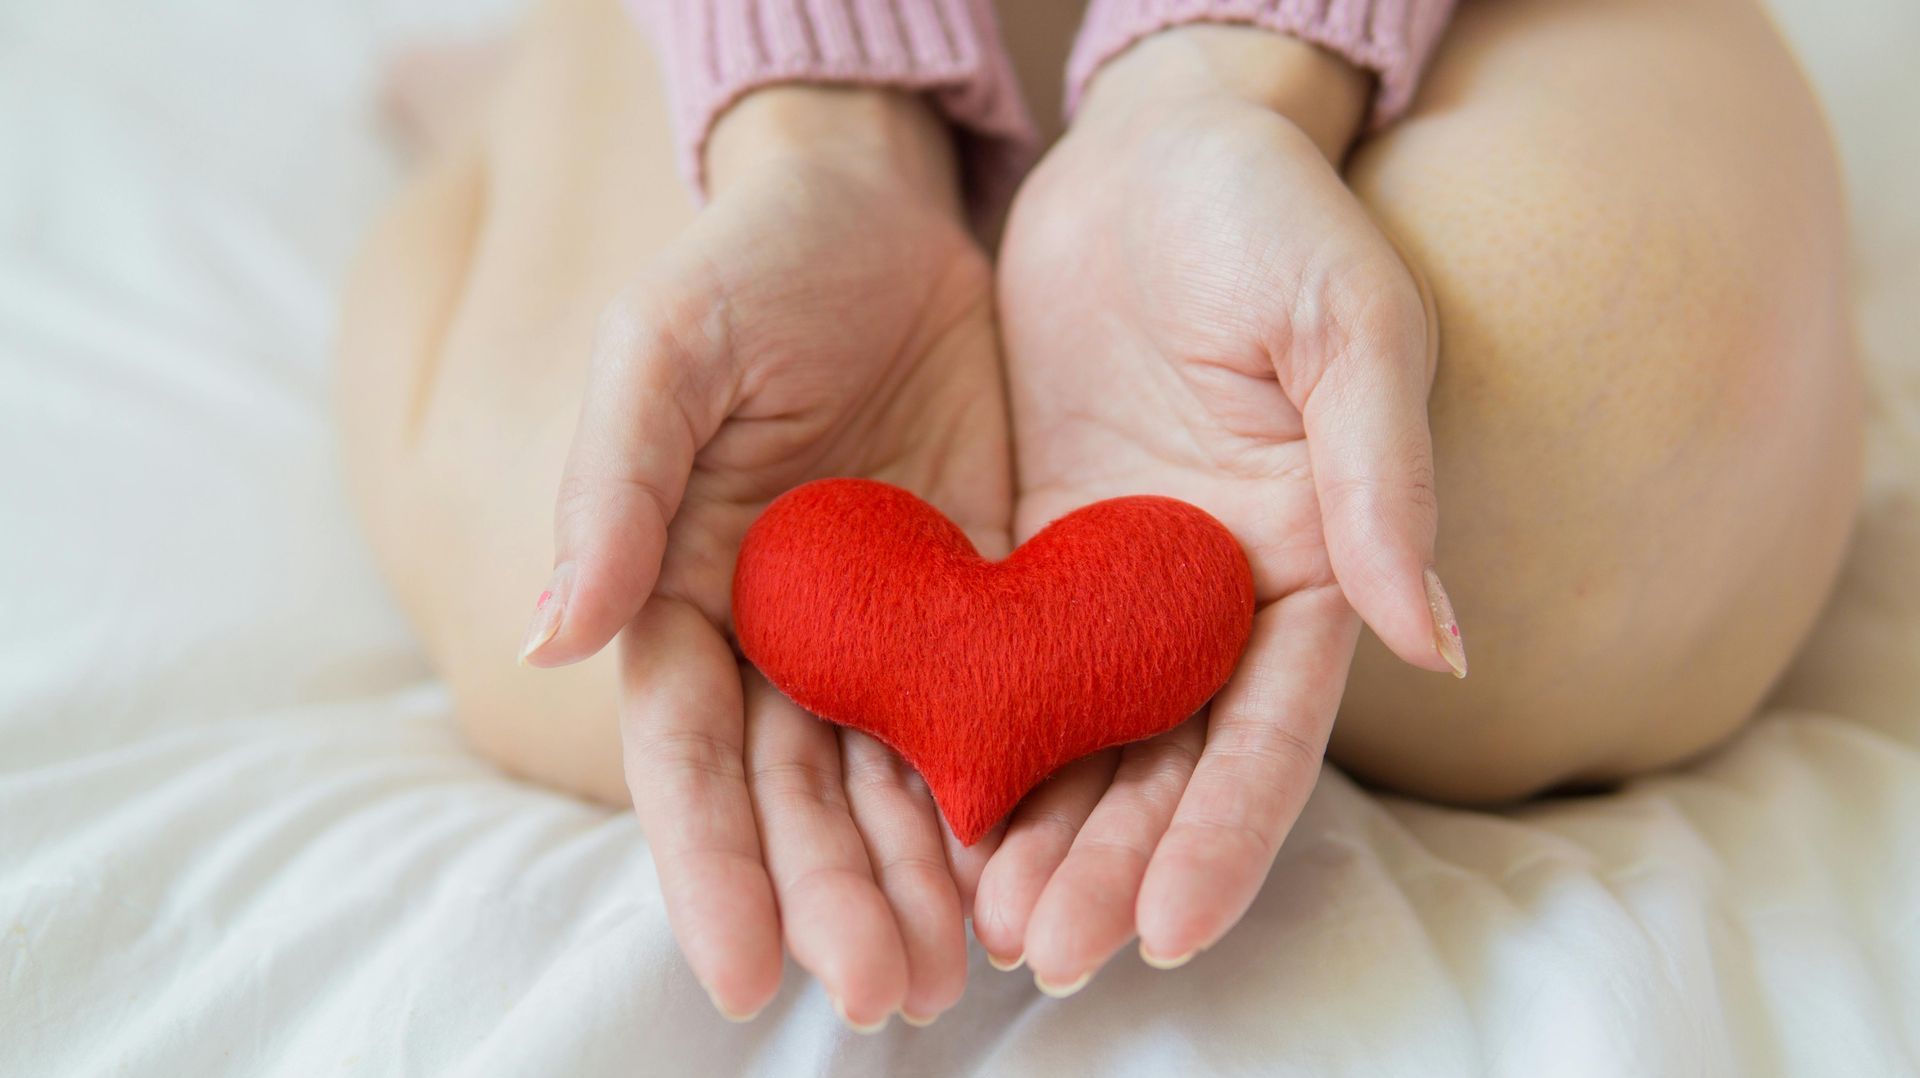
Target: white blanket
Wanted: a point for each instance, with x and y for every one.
(239, 834)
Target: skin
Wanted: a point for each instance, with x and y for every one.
(1158, 289)
(1267, 359)
(727, 376)
(726, 347)
(730, 373)
(1271, 357)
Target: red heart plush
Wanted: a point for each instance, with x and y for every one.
(868, 607)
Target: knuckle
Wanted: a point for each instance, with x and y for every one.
(874, 772)
(1043, 821)
(1267, 750)
(1155, 772)
(1240, 838)
(685, 757)
(818, 876)
(1407, 484)
(1121, 847)
(579, 498)
(586, 500)
(578, 507)
(924, 872)
(798, 781)
(1163, 755)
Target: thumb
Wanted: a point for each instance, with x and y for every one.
(654, 397)
(1371, 449)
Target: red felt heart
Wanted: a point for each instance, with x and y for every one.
(870, 608)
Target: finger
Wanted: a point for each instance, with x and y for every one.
(968, 862)
(1035, 842)
(897, 818)
(836, 920)
(1086, 912)
(681, 729)
(655, 395)
(1266, 734)
(1371, 447)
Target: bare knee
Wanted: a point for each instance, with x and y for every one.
(1634, 557)
(1646, 431)
(1631, 579)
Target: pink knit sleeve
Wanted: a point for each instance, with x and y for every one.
(714, 51)
(1391, 38)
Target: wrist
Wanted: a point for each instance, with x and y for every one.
(1322, 94)
(885, 136)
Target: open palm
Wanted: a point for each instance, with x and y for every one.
(819, 318)
(1195, 306)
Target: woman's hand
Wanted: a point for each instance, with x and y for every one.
(826, 314)
(1195, 305)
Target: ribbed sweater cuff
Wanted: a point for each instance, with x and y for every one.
(715, 51)
(1391, 38)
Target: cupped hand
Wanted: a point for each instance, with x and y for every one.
(827, 314)
(1194, 305)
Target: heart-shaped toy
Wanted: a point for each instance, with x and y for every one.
(868, 607)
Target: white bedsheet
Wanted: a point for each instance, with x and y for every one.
(239, 835)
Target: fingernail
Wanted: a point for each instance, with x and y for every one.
(1062, 991)
(841, 1010)
(1157, 962)
(1006, 965)
(1446, 628)
(915, 1020)
(728, 1014)
(547, 612)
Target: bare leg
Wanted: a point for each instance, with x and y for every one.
(1645, 417)
(464, 351)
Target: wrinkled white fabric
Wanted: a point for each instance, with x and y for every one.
(239, 835)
